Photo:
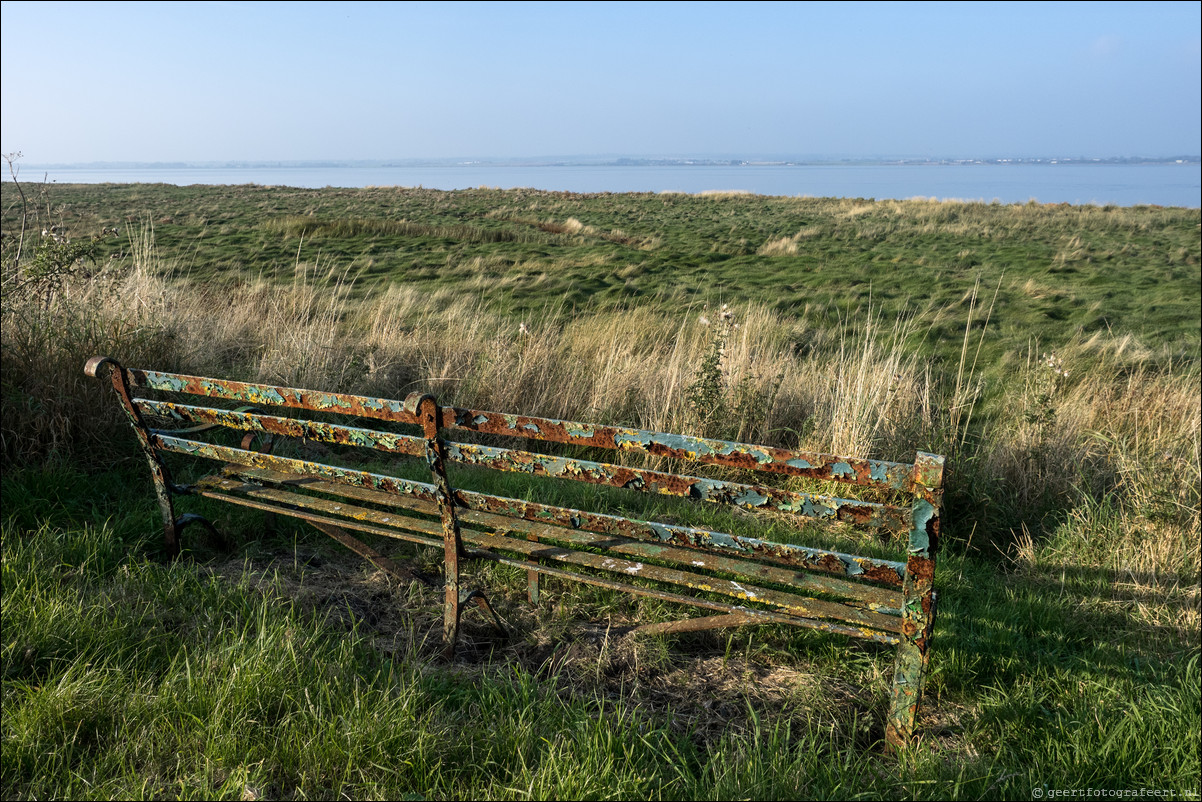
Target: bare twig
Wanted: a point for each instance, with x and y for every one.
(12, 158)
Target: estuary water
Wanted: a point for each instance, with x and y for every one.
(1118, 184)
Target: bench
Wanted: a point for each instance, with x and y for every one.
(735, 578)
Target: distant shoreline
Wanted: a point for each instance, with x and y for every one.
(1076, 183)
(609, 162)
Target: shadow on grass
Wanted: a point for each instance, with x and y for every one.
(1038, 676)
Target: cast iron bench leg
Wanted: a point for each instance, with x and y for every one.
(918, 601)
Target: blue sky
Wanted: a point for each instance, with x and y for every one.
(294, 81)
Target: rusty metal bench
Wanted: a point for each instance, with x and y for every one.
(739, 580)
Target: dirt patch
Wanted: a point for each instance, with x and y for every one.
(696, 683)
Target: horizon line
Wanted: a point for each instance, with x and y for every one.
(609, 160)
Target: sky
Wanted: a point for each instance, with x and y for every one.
(256, 81)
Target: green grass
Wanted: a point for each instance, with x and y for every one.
(1066, 650)
(127, 677)
(1060, 272)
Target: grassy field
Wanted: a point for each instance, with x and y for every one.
(1059, 272)
(1053, 353)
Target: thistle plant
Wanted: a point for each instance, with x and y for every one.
(720, 405)
(706, 396)
(1049, 377)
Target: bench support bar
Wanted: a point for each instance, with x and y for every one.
(429, 416)
(365, 551)
(698, 624)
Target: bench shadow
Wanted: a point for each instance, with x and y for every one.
(578, 642)
(995, 628)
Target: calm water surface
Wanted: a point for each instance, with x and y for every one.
(1120, 184)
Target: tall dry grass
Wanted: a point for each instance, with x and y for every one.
(1043, 447)
(632, 367)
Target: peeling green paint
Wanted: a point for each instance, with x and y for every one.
(272, 396)
(164, 381)
(759, 455)
(924, 511)
(750, 498)
(725, 541)
(661, 531)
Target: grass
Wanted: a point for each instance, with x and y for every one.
(1067, 645)
(258, 674)
(1063, 273)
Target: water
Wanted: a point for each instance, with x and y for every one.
(1119, 184)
